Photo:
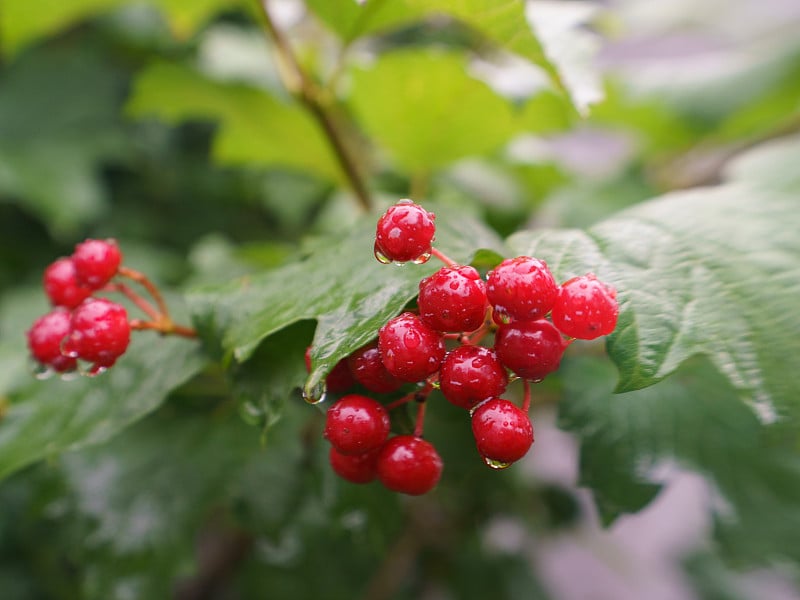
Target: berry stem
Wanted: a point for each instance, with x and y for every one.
(308, 93)
(164, 326)
(526, 397)
(400, 401)
(443, 257)
(419, 424)
(142, 280)
(143, 304)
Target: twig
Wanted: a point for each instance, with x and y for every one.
(302, 87)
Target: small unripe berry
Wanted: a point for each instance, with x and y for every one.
(453, 299)
(409, 465)
(356, 424)
(410, 350)
(586, 308)
(521, 289)
(96, 262)
(404, 233)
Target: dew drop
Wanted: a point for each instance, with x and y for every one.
(380, 256)
(68, 348)
(251, 413)
(95, 370)
(422, 258)
(315, 394)
(41, 371)
(495, 464)
(411, 339)
(69, 375)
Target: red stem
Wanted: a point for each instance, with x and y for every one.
(420, 422)
(142, 280)
(143, 304)
(167, 328)
(443, 257)
(526, 398)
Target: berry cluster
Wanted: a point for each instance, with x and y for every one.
(438, 346)
(82, 326)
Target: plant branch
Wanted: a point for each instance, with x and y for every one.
(306, 91)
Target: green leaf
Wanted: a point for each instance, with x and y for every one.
(341, 285)
(432, 91)
(351, 20)
(49, 417)
(53, 134)
(255, 127)
(22, 22)
(690, 269)
(696, 419)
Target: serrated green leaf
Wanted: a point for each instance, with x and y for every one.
(696, 419)
(49, 417)
(433, 91)
(690, 269)
(341, 285)
(351, 20)
(255, 127)
(22, 22)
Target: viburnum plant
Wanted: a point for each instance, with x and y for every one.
(438, 346)
(84, 328)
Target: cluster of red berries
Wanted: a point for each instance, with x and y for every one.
(84, 327)
(437, 346)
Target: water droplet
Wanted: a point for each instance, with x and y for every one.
(315, 394)
(380, 256)
(411, 339)
(95, 370)
(495, 464)
(405, 201)
(537, 380)
(41, 371)
(69, 375)
(422, 258)
(68, 347)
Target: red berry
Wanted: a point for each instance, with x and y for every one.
(453, 299)
(99, 333)
(531, 349)
(340, 379)
(368, 369)
(521, 289)
(409, 465)
(356, 424)
(404, 232)
(96, 262)
(503, 433)
(410, 349)
(586, 308)
(470, 374)
(45, 337)
(61, 285)
(356, 468)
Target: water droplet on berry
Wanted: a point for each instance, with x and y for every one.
(537, 380)
(95, 370)
(422, 258)
(69, 375)
(41, 371)
(495, 464)
(380, 256)
(315, 394)
(411, 339)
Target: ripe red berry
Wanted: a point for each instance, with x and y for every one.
(340, 379)
(470, 374)
(368, 369)
(586, 308)
(503, 433)
(96, 262)
(404, 233)
(521, 289)
(61, 285)
(453, 299)
(356, 468)
(99, 333)
(45, 337)
(356, 424)
(531, 349)
(409, 465)
(410, 349)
